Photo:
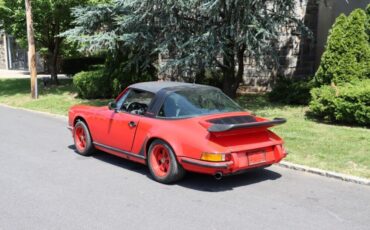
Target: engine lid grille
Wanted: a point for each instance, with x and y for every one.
(233, 120)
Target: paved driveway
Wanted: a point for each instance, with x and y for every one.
(44, 184)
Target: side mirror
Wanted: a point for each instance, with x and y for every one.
(112, 106)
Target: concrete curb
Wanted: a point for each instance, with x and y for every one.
(338, 176)
(35, 111)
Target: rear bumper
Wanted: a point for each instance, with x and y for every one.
(237, 165)
(206, 164)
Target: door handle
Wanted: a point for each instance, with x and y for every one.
(132, 124)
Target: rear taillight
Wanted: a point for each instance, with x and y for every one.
(215, 157)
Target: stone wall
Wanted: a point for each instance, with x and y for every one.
(2, 53)
(297, 53)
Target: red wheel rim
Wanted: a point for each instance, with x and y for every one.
(160, 160)
(80, 138)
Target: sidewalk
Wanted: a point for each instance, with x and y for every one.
(14, 74)
(24, 74)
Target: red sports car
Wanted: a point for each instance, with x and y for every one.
(175, 127)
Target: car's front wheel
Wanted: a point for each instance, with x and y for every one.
(163, 164)
(82, 139)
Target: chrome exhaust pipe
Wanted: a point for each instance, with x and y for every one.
(218, 175)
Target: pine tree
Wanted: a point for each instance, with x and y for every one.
(347, 54)
(194, 34)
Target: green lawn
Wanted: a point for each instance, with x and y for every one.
(57, 100)
(337, 148)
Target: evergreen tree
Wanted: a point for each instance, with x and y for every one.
(194, 34)
(347, 54)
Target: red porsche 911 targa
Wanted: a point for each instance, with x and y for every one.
(176, 127)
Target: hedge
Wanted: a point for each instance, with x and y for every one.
(291, 91)
(92, 84)
(348, 103)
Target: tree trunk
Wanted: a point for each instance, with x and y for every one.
(31, 50)
(230, 81)
(240, 72)
(231, 77)
(53, 63)
(228, 85)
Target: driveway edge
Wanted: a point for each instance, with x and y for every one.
(330, 174)
(36, 111)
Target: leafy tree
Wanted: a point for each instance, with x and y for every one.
(347, 54)
(50, 17)
(194, 34)
(368, 21)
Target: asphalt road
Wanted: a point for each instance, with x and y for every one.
(44, 184)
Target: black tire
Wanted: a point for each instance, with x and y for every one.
(175, 173)
(89, 147)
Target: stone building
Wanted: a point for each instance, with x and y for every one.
(13, 57)
(3, 55)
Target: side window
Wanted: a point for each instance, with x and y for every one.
(135, 101)
(122, 99)
(172, 107)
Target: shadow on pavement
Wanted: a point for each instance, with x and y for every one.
(117, 161)
(120, 162)
(200, 182)
(207, 183)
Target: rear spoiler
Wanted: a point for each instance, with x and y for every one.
(216, 128)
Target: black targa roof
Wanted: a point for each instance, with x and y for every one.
(163, 88)
(156, 86)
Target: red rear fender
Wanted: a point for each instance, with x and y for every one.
(83, 111)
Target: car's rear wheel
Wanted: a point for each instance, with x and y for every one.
(163, 164)
(82, 139)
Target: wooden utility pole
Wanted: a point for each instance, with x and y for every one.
(31, 50)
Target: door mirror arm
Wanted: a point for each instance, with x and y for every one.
(113, 106)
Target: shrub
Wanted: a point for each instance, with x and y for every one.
(348, 103)
(211, 77)
(347, 54)
(291, 91)
(93, 84)
(322, 104)
(72, 66)
(116, 87)
(346, 66)
(122, 74)
(101, 83)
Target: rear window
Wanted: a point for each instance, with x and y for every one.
(202, 101)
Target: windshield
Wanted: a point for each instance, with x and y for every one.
(201, 101)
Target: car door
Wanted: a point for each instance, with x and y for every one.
(118, 127)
